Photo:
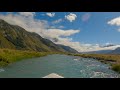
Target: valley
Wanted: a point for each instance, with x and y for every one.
(41, 44)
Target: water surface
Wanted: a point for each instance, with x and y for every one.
(63, 65)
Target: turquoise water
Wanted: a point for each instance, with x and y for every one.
(66, 66)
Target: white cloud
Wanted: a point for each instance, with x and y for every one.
(57, 21)
(83, 47)
(69, 42)
(51, 27)
(108, 43)
(71, 17)
(50, 14)
(86, 17)
(27, 13)
(56, 33)
(119, 30)
(96, 47)
(56, 27)
(106, 48)
(115, 21)
(29, 23)
(40, 26)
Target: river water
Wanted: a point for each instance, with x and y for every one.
(63, 65)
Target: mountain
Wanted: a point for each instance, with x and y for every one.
(108, 49)
(99, 52)
(109, 45)
(68, 49)
(116, 51)
(16, 37)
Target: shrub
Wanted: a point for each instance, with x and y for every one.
(116, 67)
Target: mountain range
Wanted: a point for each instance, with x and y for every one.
(116, 51)
(99, 52)
(16, 37)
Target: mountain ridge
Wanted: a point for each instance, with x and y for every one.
(116, 51)
(16, 37)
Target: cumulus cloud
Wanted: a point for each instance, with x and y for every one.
(50, 14)
(108, 43)
(69, 42)
(92, 47)
(115, 21)
(27, 13)
(29, 23)
(71, 17)
(82, 47)
(58, 27)
(59, 36)
(86, 17)
(56, 33)
(106, 48)
(41, 27)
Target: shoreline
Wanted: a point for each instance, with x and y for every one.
(8, 56)
(112, 60)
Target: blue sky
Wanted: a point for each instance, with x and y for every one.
(93, 26)
(95, 30)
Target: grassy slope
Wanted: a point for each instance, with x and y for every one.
(5, 43)
(8, 56)
(113, 60)
(15, 37)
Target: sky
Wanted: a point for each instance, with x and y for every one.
(83, 31)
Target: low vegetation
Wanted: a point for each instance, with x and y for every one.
(113, 60)
(8, 56)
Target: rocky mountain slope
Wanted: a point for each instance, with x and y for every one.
(16, 37)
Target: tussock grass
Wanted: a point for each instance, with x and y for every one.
(116, 67)
(8, 56)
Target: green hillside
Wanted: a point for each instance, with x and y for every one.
(15, 37)
(8, 56)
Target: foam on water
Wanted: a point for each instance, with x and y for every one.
(101, 74)
(75, 59)
(2, 70)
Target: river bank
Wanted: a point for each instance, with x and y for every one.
(112, 60)
(8, 56)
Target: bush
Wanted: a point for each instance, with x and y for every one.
(6, 51)
(116, 67)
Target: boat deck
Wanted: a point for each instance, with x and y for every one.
(53, 75)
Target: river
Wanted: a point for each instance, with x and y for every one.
(63, 65)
